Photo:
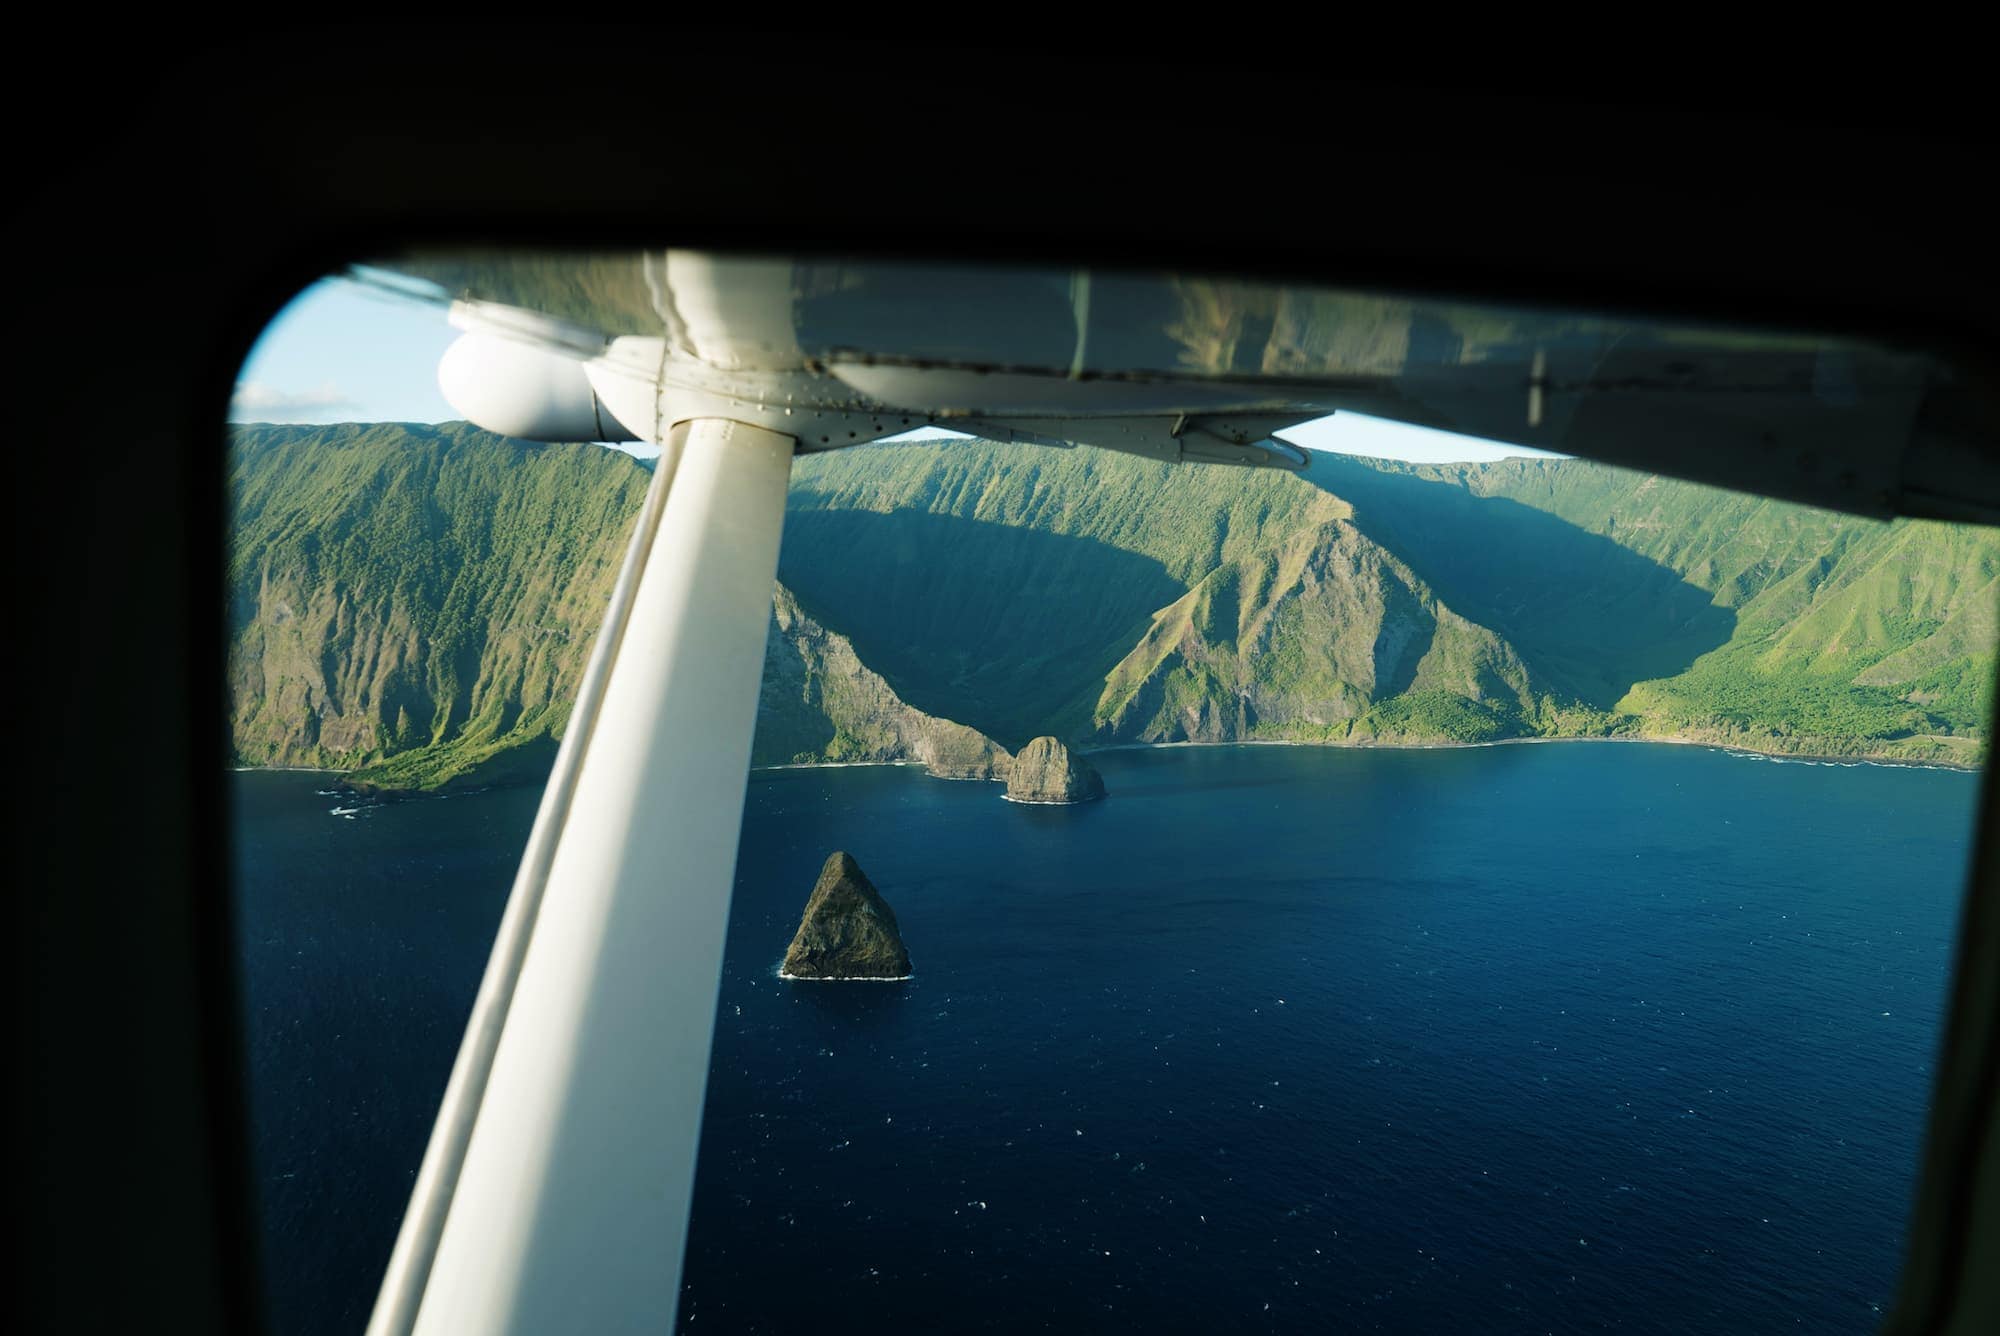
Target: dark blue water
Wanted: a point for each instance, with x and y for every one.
(1545, 1038)
(363, 940)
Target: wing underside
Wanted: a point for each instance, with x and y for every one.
(1190, 368)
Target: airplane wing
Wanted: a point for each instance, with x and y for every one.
(839, 353)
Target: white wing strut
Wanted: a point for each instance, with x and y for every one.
(556, 1192)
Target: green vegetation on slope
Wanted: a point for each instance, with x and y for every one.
(413, 602)
(1591, 615)
(1620, 604)
(1848, 636)
(416, 603)
(819, 702)
(1302, 643)
(997, 585)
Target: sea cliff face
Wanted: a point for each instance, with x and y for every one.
(414, 605)
(821, 703)
(1045, 771)
(1305, 643)
(848, 930)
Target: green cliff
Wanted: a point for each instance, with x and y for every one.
(1380, 602)
(1327, 638)
(1791, 630)
(414, 605)
(820, 703)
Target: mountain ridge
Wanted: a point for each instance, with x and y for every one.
(414, 605)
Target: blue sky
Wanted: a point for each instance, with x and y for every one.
(343, 352)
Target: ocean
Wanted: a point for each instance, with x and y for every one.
(1551, 1038)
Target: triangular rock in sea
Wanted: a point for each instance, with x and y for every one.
(848, 930)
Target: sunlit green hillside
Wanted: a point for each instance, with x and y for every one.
(416, 604)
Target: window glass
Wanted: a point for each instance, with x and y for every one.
(1456, 885)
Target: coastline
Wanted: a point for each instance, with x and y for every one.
(1794, 758)
(1080, 802)
(858, 765)
(829, 765)
(1777, 757)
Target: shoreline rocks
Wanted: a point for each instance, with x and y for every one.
(848, 930)
(1045, 771)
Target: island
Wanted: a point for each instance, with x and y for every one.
(1044, 771)
(848, 931)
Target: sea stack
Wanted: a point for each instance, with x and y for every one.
(848, 932)
(1045, 772)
